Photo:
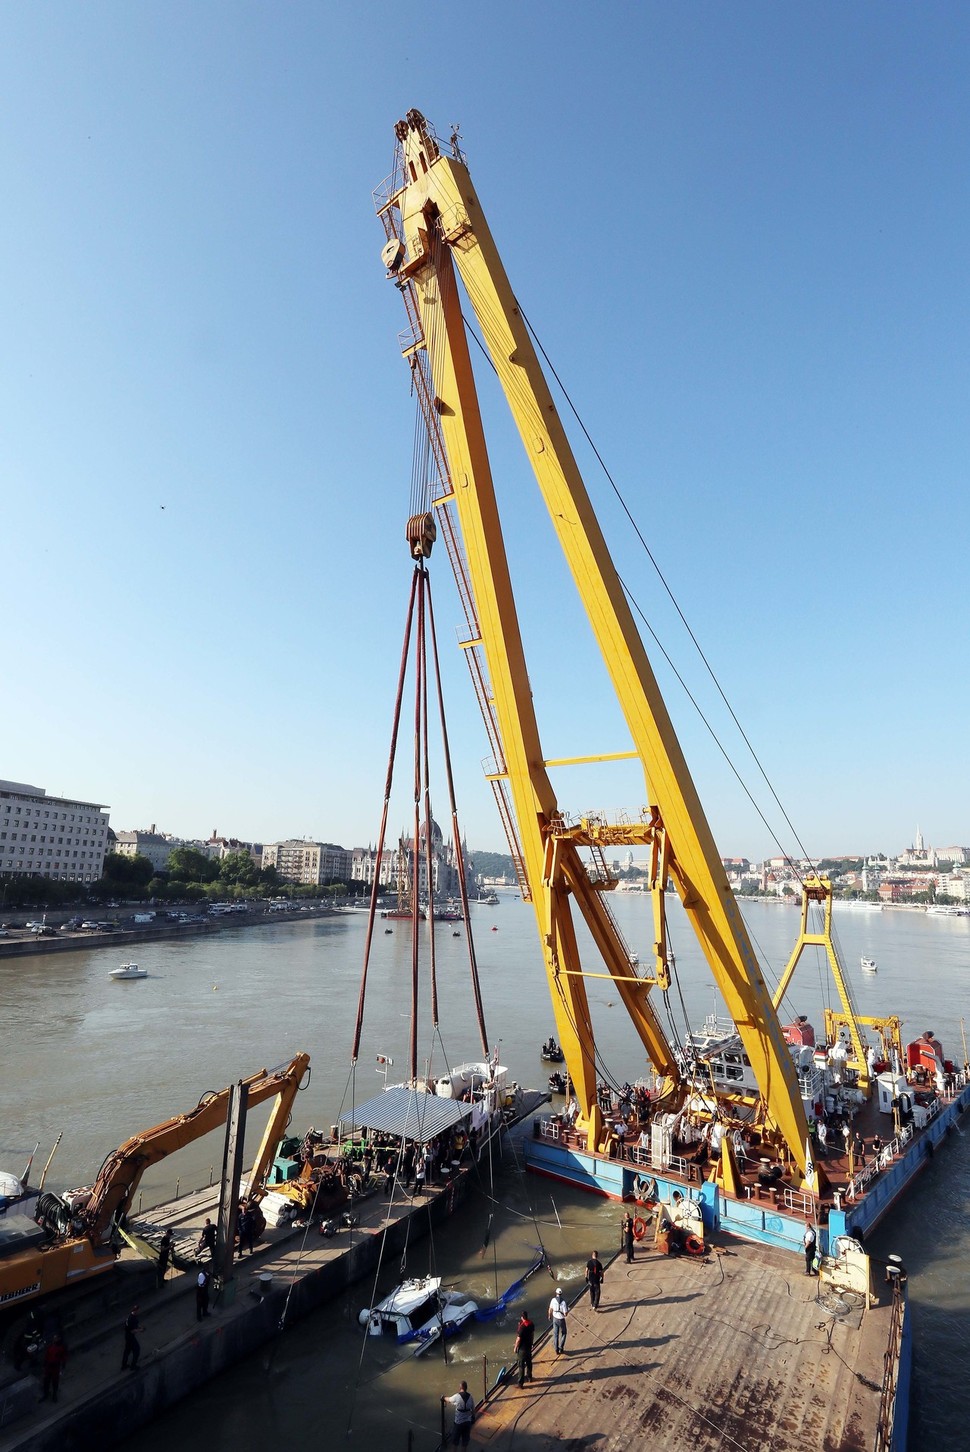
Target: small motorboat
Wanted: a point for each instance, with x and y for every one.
(868, 965)
(419, 1310)
(551, 1052)
(558, 1083)
(128, 970)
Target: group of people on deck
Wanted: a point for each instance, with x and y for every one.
(413, 1164)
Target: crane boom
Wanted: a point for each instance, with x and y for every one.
(440, 229)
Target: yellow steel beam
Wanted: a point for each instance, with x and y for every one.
(592, 760)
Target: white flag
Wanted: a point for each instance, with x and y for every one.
(811, 1182)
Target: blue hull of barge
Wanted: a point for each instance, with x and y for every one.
(751, 1219)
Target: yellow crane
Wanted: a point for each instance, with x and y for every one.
(437, 234)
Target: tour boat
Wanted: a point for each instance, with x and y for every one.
(419, 1310)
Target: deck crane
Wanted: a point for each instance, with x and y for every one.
(436, 234)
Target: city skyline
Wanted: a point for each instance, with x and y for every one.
(916, 845)
(753, 287)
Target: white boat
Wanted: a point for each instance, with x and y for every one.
(419, 1310)
(868, 965)
(128, 970)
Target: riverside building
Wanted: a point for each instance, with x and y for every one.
(57, 837)
(309, 863)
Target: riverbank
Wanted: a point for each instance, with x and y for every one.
(23, 943)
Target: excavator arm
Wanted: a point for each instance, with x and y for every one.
(439, 234)
(83, 1249)
(121, 1172)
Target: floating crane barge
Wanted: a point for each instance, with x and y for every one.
(754, 1088)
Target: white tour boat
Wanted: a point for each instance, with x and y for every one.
(419, 1310)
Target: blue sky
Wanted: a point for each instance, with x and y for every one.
(741, 234)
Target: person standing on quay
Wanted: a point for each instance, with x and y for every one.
(523, 1347)
(55, 1359)
(464, 1405)
(558, 1310)
(246, 1227)
(207, 1240)
(132, 1349)
(202, 1295)
(808, 1241)
(595, 1277)
(164, 1256)
(627, 1231)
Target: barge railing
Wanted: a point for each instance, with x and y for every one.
(891, 1363)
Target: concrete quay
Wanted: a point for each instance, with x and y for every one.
(293, 1271)
(21, 943)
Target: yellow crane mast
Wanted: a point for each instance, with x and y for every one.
(437, 229)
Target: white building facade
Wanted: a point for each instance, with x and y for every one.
(309, 863)
(56, 837)
(156, 846)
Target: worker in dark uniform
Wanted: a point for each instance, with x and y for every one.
(164, 1256)
(595, 1276)
(524, 1338)
(132, 1349)
(207, 1240)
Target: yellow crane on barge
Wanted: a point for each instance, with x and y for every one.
(437, 234)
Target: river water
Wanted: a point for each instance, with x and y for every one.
(102, 1060)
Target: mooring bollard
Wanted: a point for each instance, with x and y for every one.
(177, 1183)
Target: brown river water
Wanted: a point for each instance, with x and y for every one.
(102, 1060)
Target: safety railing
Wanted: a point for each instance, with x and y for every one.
(797, 1201)
(889, 1152)
(890, 1376)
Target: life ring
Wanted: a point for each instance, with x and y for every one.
(694, 1245)
(645, 1190)
(639, 1228)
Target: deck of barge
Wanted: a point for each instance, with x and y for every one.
(740, 1350)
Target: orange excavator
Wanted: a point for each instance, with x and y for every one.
(71, 1238)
